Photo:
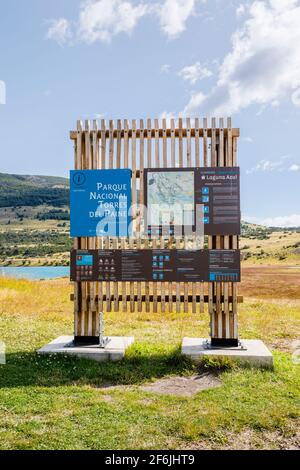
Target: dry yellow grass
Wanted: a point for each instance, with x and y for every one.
(43, 399)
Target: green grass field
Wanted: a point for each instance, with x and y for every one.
(66, 403)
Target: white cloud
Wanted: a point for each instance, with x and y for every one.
(195, 72)
(270, 165)
(265, 165)
(241, 9)
(165, 68)
(248, 139)
(296, 98)
(294, 167)
(173, 15)
(264, 64)
(59, 30)
(292, 220)
(100, 20)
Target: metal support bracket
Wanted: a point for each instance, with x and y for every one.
(240, 346)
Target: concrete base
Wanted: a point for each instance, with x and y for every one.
(113, 351)
(251, 351)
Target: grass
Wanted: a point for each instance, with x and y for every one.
(66, 403)
(277, 247)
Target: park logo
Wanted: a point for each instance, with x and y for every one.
(79, 178)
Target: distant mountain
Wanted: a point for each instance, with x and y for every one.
(29, 190)
(256, 230)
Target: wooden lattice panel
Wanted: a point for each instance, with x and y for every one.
(152, 144)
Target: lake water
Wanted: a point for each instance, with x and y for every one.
(41, 272)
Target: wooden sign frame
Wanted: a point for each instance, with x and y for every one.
(151, 145)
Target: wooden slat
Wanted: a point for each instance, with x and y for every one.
(123, 241)
(197, 288)
(218, 287)
(105, 242)
(141, 211)
(201, 297)
(91, 241)
(157, 156)
(162, 241)
(77, 285)
(178, 284)
(103, 144)
(111, 144)
(223, 161)
(213, 142)
(235, 246)
(211, 304)
(105, 165)
(119, 143)
(90, 287)
(188, 164)
(221, 142)
(197, 143)
(115, 241)
(205, 164)
(126, 144)
(173, 148)
(178, 242)
(95, 148)
(180, 141)
(171, 239)
(165, 156)
(91, 160)
(149, 143)
(229, 143)
(99, 240)
(205, 151)
(149, 163)
(154, 240)
(234, 300)
(134, 201)
(83, 245)
(188, 143)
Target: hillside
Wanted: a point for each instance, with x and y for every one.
(34, 227)
(32, 191)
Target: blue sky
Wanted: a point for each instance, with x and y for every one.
(62, 60)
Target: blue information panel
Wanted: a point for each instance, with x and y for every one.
(100, 203)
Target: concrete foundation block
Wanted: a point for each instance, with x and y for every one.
(252, 351)
(113, 351)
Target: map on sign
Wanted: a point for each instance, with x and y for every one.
(202, 200)
(170, 197)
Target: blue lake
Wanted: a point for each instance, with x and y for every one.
(41, 272)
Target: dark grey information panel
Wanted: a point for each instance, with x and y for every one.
(210, 197)
(218, 189)
(224, 265)
(156, 265)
